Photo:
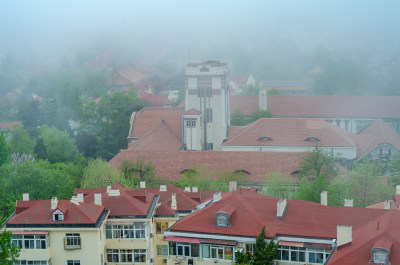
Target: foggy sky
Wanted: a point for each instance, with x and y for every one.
(52, 28)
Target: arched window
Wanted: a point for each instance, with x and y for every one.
(265, 138)
(312, 139)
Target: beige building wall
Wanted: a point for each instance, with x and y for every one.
(159, 239)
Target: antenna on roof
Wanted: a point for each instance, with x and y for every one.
(377, 228)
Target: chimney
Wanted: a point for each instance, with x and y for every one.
(348, 202)
(187, 189)
(217, 196)
(195, 189)
(25, 196)
(398, 189)
(54, 203)
(324, 198)
(174, 205)
(97, 199)
(344, 235)
(163, 187)
(232, 185)
(262, 100)
(112, 192)
(143, 184)
(79, 196)
(108, 188)
(280, 207)
(386, 205)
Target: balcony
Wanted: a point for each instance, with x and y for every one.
(71, 243)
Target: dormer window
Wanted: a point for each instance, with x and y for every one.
(222, 219)
(312, 139)
(380, 256)
(264, 138)
(58, 215)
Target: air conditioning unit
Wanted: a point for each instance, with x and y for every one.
(164, 260)
(190, 261)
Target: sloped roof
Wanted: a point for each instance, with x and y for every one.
(253, 211)
(375, 134)
(154, 100)
(148, 117)
(131, 74)
(160, 137)
(290, 132)
(170, 164)
(40, 213)
(321, 106)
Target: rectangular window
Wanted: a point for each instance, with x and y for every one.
(162, 250)
(250, 249)
(190, 123)
(73, 239)
(31, 241)
(210, 146)
(217, 252)
(161, 227)
(30, 262)
(209, 115)
(73, 262)
(346, 125)
(338, 123)
(126, 255)
(137, 230)
(205, 251)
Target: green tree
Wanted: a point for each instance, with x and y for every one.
(367, 185)
(4, 150)
(277, 184)
(21, 142)
(258, 114)
(238, 118)
(9, 252)
(60, 147)
(99, 173)
(251, 90)
(134, 172)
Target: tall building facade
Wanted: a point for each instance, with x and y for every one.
(207, 110)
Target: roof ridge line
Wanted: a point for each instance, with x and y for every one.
(82, 211)
(245, 129)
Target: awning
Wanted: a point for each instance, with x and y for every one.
(182, 239)
(291, 244)
(218, 242)
(29, 232)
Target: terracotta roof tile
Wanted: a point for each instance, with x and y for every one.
(154, 100)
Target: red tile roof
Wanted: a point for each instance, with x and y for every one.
(148, 117)
(170, 164)
(322, 106)
(40, 213)
(131, 74)
(375, 134)
(160, 137)
(154, 100)
(290, 132)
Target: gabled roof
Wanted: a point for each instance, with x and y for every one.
(154, 100)
(129, 202)
(148, 117)
(375, 134)
(322, 106)
(131, 74)
(290, 132)
(253, 211)
(40, 213)
(258, 164)
(160, 137)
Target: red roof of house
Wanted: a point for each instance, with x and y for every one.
(148, 117)
(160, 137)
(40, 213)
(128, 203)
(170, 164)
(131, 74)
(4, 125)
(290, 132)
(239, 79)
(375, 134)
(253, 211)
(321, 106)
(154, 100)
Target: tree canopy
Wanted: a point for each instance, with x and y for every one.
(9, 252)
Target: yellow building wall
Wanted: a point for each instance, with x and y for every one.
(159, 238)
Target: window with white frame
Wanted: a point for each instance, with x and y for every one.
(73, 239)
(190, 123)
(73, 262)
(58, 215)
(300, 254)
(162, 250)
(31, 262)
(31, 241)
(250, 249)
(126, 255)
(137, 230)
(201, 250)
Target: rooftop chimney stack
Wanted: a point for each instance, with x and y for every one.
(398, 189)
(143, 184)
(163, 187)
(79, 196)
(280, 207)
(25, 196)
(217, 196)
(324, 198)
(97, 199)
(386, 205)
(348, 202)
(108, 188)
(344, 234)
(54, 203)
(232, 185)
(174, 205)
(195, 189)
(187, 189)
(262, 99)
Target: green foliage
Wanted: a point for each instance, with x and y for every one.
(242, 257)
(108, 122)
(99, 173)
(134, 172)
(9, 252)
(60, 147)
(4, 150)
(318, 163)
(367, 185)
(273, 91)
(21, 142)
(251, 90)
(258, 114)
(264, 253)
(395, 167)
(238, 119)
(277, 184)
